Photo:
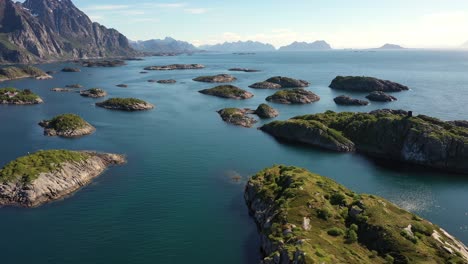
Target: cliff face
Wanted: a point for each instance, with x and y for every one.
(44, 30)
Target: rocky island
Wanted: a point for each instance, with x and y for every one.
(379, 96)
(307, 218)
(346, 100)
(15, 73)
(122, 85)
(280, 82)
(237, 116)
(18, 97)
(365, 84)
(220, 78)
(102, 63)
(175, 67)
(385, 134)
(93, 93)
(243, 70)
(125, 104)
(293, 96)
(74, 86)
(50, 175)
(169, 81)
(228, 91)
(67, 125)
(70, 69)
(266, 111)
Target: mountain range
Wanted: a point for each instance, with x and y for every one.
(239, 46)
(48, 30)
(166, 45)
(304, 46)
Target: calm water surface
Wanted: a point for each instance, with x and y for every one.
(175, 202)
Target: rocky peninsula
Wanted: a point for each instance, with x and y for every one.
(280, 82)
(303, 218)
(346, 100)
(125, 104)
(175, 67)
(15, 96)
(365, 84)
(293, 96)
(67, 125)
(237, 116)
(228, 91)
(94, 93)
(45, 176)
(15, 73)
(385, 134)
(220, 78)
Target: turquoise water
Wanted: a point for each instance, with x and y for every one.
(175, 202)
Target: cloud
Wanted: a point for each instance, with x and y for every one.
(196, 11)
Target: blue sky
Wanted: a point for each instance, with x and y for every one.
(343, 23)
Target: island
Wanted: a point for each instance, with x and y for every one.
(293, 96)
(347, 100)
(303, 218)
(280, 82)
(15, 96)
(380, 96)
(122, 85)
(243, 70)
(220, 78)
(168, 81)
(70, 69)
(15, 73)
(266, 111)
(102, 63)
(392, 135)
(60, 90)
(365, 84)
(67, 125)
(93, 93)
(49, 175)
(227, 91)
(74, 86)
(391, 47)
(175, 67)
(238, 117)
(125, 104)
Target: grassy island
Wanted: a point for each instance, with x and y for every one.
(16, 96)
(307, 218)
(13, 72)
(126, 104)
(227, 91)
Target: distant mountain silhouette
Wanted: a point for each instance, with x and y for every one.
(239, 46)
(391, 47)
(304, 46)
(166, 45)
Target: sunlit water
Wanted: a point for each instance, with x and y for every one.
(175, 201)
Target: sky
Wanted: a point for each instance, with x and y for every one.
(342, 23)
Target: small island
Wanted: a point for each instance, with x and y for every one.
(125, 104)
(303, 218)
(365, 84)
(220, 78)
(15, 73)
(15, 96)
(347, 100)
(169, 81)
(70, 69)
(67, 125)
(243, 70)
(293, 96)
(237, 116)
(228, 91)
(122, 85)
(49, 175)
(379, 96)
(280, 82)
(93, 93)
(175, 67)
(393, 135)
(74, 86)
(266, 111)
(61, 90)
(102, 63)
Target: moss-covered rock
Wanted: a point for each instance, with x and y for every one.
(388, 134)
(18, 97)
(365, 84)
(228, 91)
(220, 78)
(288, 205)
(125, 104)
(67, 125)
(293, 96)
(238, 117)
(94, 93)
(280, 82)
(13, 73)
(266, 111)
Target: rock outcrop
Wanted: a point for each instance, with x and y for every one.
(14, 73)
(365, 84)
(220, 78)
(293, 96)
(385, 134)
(60, 90)
(74, 86)
(380, 96)
(67, 125)
(228, 91)
(238, 117)
(70, 69)
(93, 93)
(15, 96)
(175, 67)
(243, 70)
(48, 30)
(122, 85)
(169, 81)
(307, 218)
(346, 100)
(125, 104)
(280, 82)
(266, 111)
(34, 180)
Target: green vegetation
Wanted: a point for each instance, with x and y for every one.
(12, 72)
(122, 102)
(26, 169)
(66, 122)
(21, 96)
(345, 227)
(226, 91)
